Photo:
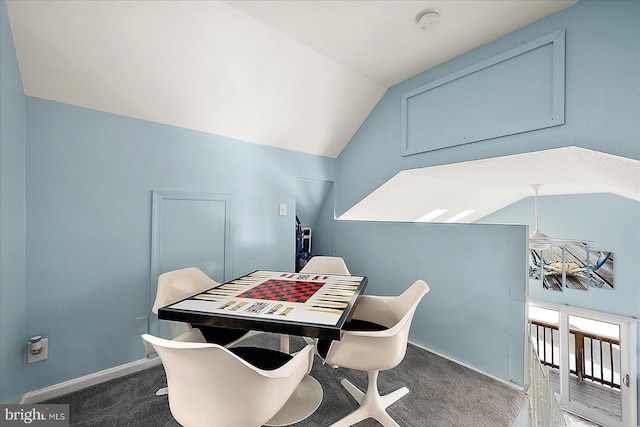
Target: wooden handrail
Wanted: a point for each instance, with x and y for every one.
(579, 339)
(543, 357)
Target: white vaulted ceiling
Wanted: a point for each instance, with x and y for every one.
(299, 75)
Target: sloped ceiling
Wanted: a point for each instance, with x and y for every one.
(481, 187)
(299, 75)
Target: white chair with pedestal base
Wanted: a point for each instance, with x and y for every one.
(212, 386)
(375, 339)
(176, 285)
(326, 265)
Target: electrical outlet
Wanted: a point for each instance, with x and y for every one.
(43, 353)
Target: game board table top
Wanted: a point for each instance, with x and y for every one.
(305, 304)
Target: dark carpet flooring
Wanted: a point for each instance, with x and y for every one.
(442, 394)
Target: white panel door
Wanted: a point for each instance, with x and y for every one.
(190, 230)
(592, 356)
(600, 382)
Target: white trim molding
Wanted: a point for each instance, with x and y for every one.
(76, 384)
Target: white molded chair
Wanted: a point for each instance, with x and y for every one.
(176, 285)
(326, 265)
(374, 340)
(210, 385)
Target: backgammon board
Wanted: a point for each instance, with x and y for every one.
(309, 304)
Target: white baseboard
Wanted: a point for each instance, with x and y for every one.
(76, 384)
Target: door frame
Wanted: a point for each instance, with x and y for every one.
(628, 363)
(156, 228)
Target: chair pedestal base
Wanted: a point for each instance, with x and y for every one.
(303, 402)
(372, 405)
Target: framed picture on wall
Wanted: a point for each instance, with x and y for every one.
(572, 266)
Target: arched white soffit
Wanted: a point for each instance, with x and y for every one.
(467, 191)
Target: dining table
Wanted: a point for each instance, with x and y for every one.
(312, 305)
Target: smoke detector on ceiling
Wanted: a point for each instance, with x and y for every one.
(428, 19)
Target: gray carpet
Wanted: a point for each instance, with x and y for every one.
(442, 394)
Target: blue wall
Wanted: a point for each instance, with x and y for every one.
(602, 107)
(601, 102)
(611, 222)
(474, 311)
(12, 223)
(90, 177)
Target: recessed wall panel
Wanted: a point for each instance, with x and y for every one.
(517, 91)
(191, 230)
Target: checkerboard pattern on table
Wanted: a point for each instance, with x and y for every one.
(283, 290)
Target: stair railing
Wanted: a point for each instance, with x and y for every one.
(544, 409)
